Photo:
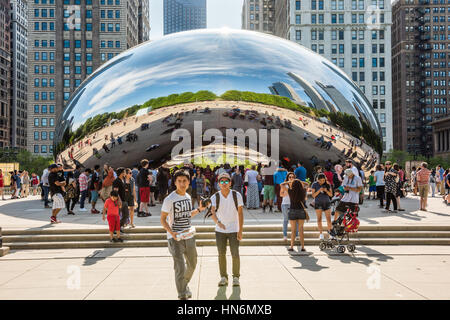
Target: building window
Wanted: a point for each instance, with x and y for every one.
(382, 117)
(298, 35)
(297, 5)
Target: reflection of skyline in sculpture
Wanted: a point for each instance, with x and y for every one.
(310, 91)
(285, 90)
(213, 62)
(341, 104)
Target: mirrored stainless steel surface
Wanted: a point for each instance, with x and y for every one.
(216, 61)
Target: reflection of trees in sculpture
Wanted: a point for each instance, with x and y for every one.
(345, 121)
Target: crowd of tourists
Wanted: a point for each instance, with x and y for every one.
(21, 184)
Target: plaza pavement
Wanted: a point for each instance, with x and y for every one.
(375, 272)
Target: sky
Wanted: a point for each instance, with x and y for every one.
(220, 13)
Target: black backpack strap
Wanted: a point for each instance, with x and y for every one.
(217, 200)
(235, 199)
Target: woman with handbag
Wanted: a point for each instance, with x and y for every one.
(297, 212)
(71, 193)
(321, 192)
(286, 203)
(399, 187)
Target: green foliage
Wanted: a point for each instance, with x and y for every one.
(27, 161)
(263, 98)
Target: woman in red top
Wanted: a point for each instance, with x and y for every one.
(329, 174)
(34, 183)
(2, 184)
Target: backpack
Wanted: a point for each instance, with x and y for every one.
(234, 199)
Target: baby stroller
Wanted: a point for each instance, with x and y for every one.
(345, 224)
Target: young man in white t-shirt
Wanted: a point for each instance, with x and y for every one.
(176, 214)
(229, 219)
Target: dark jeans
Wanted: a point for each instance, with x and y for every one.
(221, 241)
(389, 197)
(279, 199)
(83, 195)
(181, 250)
(45, 189)
(68, 206)
(125, 213)
(380, 194)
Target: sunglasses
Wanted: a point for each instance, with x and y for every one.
(291, 177)
(224, 182)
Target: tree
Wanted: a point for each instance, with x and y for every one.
(26, 160)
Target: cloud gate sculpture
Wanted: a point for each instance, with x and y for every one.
(207, 93)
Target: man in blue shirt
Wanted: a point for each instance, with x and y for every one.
(300, 172)
(278, 177)
(441, 171)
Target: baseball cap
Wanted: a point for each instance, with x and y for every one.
(53, 166)
(224, 175)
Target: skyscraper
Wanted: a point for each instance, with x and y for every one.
(183, 15)
(420, 71)
(5, 62)
(19, 73)
(144, 21)
(353, 34)
(68, 41)
(259, 15)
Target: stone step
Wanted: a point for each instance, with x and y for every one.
(210, 228)
(212, 242)
(211, 235)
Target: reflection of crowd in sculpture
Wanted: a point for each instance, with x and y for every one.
(267, 121)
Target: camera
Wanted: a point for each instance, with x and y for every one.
(205, 201)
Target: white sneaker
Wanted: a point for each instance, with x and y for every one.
(223, 282)
(82, 209)
(321, 237)
(297, 238)
(285, 238)
(235, 282)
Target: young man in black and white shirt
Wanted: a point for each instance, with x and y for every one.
(229, 219)
(57, 183)
(176, 214)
